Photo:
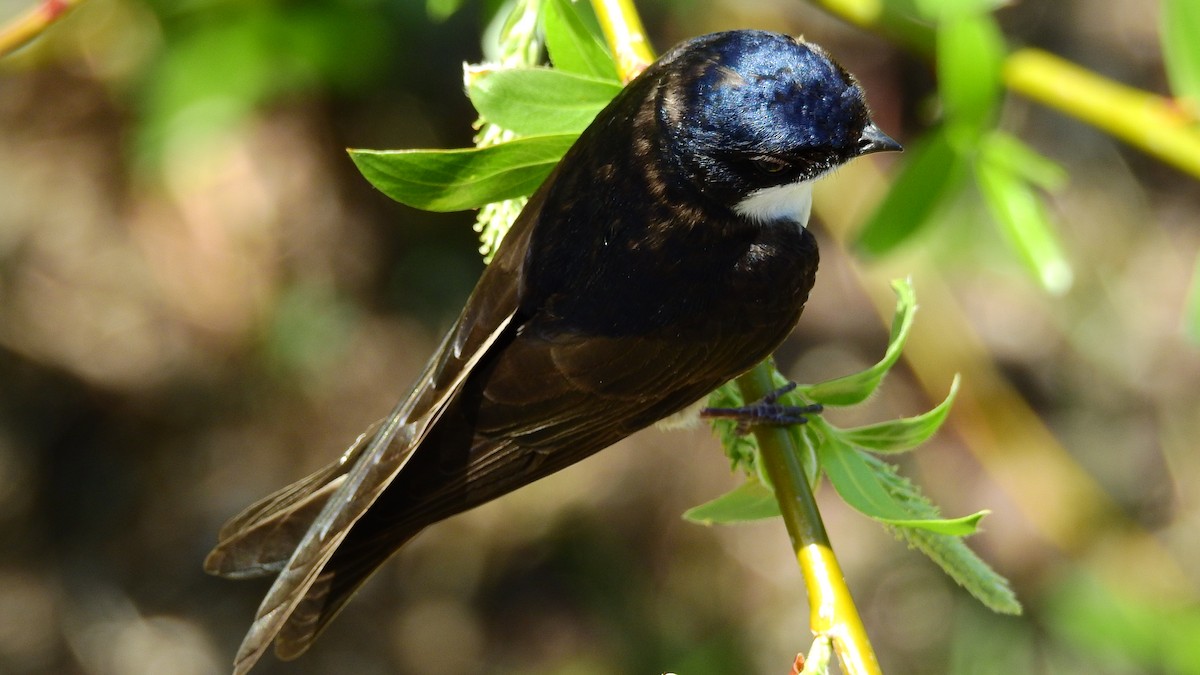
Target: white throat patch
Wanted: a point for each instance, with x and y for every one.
(783, 202)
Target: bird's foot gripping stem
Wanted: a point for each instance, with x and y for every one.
(766, 410)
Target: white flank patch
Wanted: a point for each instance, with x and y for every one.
(684, 419)
(782, 202)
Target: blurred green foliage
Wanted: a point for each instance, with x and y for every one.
(140, 329)
(221, 61)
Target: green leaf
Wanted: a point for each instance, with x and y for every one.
(440, 10)
(970, 54)
(571, 45)
(747, 502)
(454, 180)
(902, 434)
(947, 551)
(1192, 312)
(966, 568)
(1023, 220)
(1008, 151)
(539, 101)
(861, 486)
(931, 177)
(941, 10)
(856, 387)
(1181, 47)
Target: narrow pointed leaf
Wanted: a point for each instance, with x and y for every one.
(949, 552)
(747, 502)
(1019, 212)
(572, 45)
(932, 175)
(902, 434)
(539, 101)
(861, 486)
(1011, 153)
(454, 180)
(1181, 48)
(855, 388)
(970, 53)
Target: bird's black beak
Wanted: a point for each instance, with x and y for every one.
(874, 140)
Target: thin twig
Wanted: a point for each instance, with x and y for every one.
(21, 30)
(833, 614)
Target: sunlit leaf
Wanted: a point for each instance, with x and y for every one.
(942, 10)
(539, 101)
(931, 176)
(862, 487)
(1181, 47)
(571, 45)
(902, 434)
(453, 180)
(856, 387)
(970, 53)
(1011, 153)
(749, 501)
(949, 552)
(1019, 211)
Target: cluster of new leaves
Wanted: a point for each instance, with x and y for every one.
(546, 109)
(966, 144)
(847, 457)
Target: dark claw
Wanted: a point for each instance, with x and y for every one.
(766, 410)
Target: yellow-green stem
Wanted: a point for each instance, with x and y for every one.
(625, 36)
(832, 613)
(1149, 122)
(18, 32)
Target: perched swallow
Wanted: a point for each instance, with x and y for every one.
(665, 254)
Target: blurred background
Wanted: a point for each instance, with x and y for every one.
(201, 300)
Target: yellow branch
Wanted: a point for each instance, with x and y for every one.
(625, 35)
(833, 614)
(18, 32)
(1152, 123)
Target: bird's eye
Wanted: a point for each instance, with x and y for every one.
(769, 165)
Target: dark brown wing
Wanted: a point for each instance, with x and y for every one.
(252, 542)
(543, 404)
(258, 541)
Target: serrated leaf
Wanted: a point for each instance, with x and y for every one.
(747, 502)
(454, 180)
(571, 45)
(966, 568)
(856, 387)
(932, 175)
(862, 487)
(949, 552)
(970, 54)
(539, 101)
(1019, 212)
(902, 434)
(1181, 47)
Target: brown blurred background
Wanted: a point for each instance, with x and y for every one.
(201, 300)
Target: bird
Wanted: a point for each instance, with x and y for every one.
(665, 254)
